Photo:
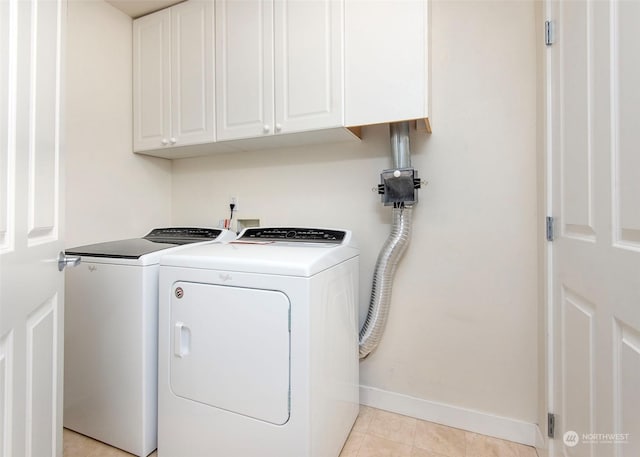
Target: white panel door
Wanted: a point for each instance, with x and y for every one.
(152, 81)
(31, 287)
(244, 68)
(308, 55)
(192, 78)
(7, 95)
(594, 69)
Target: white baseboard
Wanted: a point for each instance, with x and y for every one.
(452, 416)
(541, 443)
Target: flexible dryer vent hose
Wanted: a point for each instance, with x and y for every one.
(388, 259)
(392, 250)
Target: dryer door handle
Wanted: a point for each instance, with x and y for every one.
(181, 340)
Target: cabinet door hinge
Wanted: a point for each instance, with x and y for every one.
(551, 425)
(548, 33)
(550, 225)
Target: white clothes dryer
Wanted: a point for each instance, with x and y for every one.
(258, 345)
(111, 336)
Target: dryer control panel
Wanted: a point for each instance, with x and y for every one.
(293, 234)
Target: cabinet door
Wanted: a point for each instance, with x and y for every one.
(386, 56)
(192, 78)
(151, 81)
(244, 68)
(308, 64)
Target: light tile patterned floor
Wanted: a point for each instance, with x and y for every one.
(76, 445)
(376, 433)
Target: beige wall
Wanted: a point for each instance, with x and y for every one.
(462, 329)
(110, 192)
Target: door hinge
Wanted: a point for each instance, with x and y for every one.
(551, 425)
(548, 33)
(550, 224)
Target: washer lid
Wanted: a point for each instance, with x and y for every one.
(123, 249)
(156, 240)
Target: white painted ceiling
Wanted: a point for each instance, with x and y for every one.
(137, 8)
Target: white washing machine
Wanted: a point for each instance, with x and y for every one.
(258, 345)
(111, 336)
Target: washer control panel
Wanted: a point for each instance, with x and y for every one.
(293, 234)
(184, 234)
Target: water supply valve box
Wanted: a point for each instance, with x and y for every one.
(399, 186)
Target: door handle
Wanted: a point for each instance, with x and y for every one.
(181, 340)
(67, 261)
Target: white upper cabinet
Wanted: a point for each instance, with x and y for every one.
(151, 80)
(386, 61)
(256, 70)
(309, 64)
(173, 77)
(192, 72)
(279, 66)
(244, 68)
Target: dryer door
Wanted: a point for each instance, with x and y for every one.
(231, 349)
